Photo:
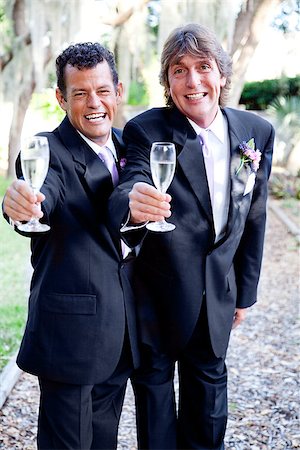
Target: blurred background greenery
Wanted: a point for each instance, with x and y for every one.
(262, 37)
(14, 281)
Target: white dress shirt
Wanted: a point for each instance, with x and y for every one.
(217, 161)
(109, 145)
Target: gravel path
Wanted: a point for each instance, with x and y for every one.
(263, 367)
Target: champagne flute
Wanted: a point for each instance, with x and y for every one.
(162, 164)
(35, 163)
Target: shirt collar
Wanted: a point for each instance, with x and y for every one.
(109, 144)
(217, 126)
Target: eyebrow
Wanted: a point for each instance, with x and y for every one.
(103, 86)
(178, 62)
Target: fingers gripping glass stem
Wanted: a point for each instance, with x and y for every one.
(162, 164)
(35, 163)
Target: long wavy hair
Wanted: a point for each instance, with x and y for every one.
(195, 40)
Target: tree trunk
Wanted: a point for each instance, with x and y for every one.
(23, 66)
(250, 23)
(20, 107)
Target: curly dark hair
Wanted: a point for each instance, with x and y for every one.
(84, 56)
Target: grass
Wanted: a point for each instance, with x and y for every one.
(14, 286)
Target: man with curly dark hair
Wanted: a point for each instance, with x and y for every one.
(80, 337)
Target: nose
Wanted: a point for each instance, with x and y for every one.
(193, 79)
(93, 100)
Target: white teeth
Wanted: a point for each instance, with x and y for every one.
(96, 116)
(196, 96)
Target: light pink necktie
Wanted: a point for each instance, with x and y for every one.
(108, 158)
(209, 163)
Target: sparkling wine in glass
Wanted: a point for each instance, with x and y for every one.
(35, 163)
(162, 164)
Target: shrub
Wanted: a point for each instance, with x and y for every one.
(285, 113)
(258, 95)
(283, 186)
(138, 94)
(46, 103)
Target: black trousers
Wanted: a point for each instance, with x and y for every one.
(83, 417)
(200, 421)
(155, 401)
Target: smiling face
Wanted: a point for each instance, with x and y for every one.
(195, 84)
(91, 100)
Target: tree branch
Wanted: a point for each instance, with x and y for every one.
(119, 19)
(18, 15)
(7, 57)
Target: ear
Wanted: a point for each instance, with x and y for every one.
(120, 92)
(60, 99)
(223, 81)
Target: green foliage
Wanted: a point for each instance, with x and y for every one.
(12, 319)
(288, 20)
(14, 286)
(46, 103)
(285, 114)
(6, 28)
(4, 183)
(286, 111)
(283, 186)
(291, 206)
(2, 12)
(153, 17)
(138, 94)
(258, 95)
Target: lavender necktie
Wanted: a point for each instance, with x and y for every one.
(108, 158)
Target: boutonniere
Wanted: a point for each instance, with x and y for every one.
(249, 155)
(123, 162)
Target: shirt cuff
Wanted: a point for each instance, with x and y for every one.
(13, 223)
(126, 227)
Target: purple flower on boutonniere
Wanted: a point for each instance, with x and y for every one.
(123, 162)
(249, 155)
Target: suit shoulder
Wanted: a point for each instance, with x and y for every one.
(248, 117)
(117, 131)
(153, 114)
(53, 137)
(117, 137)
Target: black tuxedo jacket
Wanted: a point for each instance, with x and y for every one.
(175, 269)
(77, 310)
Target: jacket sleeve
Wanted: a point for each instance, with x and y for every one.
(248, 258)
(137, 170)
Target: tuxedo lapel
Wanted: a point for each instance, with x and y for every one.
(96, 174)
(237, 134)
(191, 161)
(119, 146)
(89, 167)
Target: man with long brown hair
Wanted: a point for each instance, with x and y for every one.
(193, 284)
